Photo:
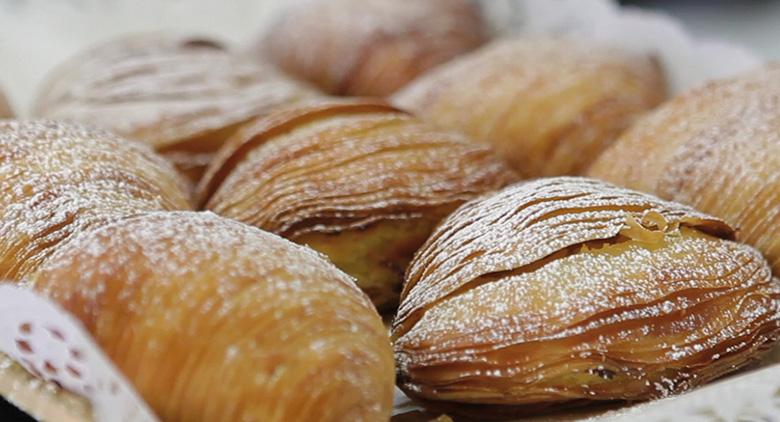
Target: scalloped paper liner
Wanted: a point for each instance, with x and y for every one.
(54, 348)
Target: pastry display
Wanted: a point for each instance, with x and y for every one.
(360, 181)
(568, 291)
(214, 320)
(387, 210)
(57, 180)
(370, 47)
(716, 148)
(548, 106)
(182, 95)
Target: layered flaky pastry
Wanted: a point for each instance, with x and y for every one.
(370, 47)
(57, 180)
(214, 320)
(716, 148)
(549, 106)
(567, 291)
(360, 181)
(184, 96)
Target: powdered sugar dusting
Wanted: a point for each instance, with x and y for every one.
(375, 48)
(350, 170)
(363, 182)
(57, 180)
(716, 148)
(179, 299)
(566, 288)
(173, 92)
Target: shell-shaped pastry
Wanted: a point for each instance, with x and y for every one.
(716, 148)
(182, 95)
(57, 180)
(548, 106)
(360, 181)
(213, 320)
(568, 291)
(5, 108)
(370, 47)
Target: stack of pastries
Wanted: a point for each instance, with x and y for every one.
(232, 230)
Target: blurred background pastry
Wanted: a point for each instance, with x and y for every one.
(182, 95)
(548, 106)
(716, 148)
(370, 47)
(360, 181)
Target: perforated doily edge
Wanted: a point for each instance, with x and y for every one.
(46, 347)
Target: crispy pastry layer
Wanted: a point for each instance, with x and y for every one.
(57, 180)
(184, 96)
(358, 180)
(716, 148)
(213, 320)
(370, 47)
(566, 291)
(549, 106)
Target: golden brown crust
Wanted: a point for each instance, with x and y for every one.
(549, 106)
(564, 291)
(182, 95)
(370, 47)
(211, 319)
(716, 148)
(359, 180)
(57, 180)
(258, 132)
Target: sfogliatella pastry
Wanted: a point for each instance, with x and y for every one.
(57, 180)
(214, 320)
(360, 181)
(548, 106)
(370, 47)
(567, 291)
(716, 148)
(5, 108)
(184, 96)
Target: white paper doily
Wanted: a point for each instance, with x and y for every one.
(51, 344)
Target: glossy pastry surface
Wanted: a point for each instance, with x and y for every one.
(182, 95)
(565, 291)
(548, 106)
(57, 180)
(370, 47)
(214, 320)
(716, 148)
(357, 180)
